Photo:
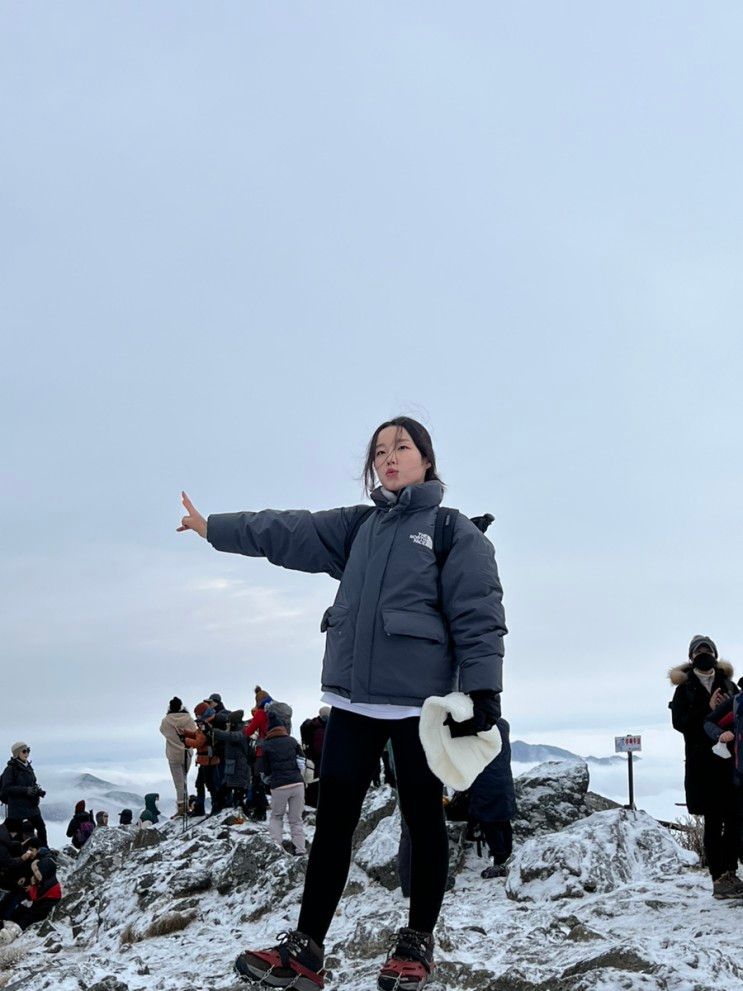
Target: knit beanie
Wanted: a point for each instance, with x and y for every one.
(699, 641)
(175, 704)
(80, 806)
(261, 697)
(215, 697)
(17, 747)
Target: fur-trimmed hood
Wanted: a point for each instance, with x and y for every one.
(680, 674)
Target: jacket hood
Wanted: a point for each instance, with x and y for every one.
(680, 674)
(413, 497)
(150, 801)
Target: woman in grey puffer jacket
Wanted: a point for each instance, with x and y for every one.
(400, 630)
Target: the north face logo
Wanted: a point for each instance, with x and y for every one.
(422, 538)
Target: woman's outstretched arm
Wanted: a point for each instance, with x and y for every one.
(294, 538)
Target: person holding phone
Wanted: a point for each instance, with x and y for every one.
(702, 684)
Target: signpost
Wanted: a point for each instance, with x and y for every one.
(628, 745)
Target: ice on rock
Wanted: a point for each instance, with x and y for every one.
(597, 854)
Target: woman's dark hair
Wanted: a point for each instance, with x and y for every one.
(420, 437)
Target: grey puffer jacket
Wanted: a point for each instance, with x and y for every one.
(387, 640)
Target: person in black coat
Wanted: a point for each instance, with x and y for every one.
(20, 790)
(236, 757)
(701, 685)
(493, 804)
(76, 834)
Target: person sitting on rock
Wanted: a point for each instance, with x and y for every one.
(150, 815)
(42, 896)
(492, 805)
(81, 826)
(283, 762)
(14, 860)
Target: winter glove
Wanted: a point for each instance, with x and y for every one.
(40, 792)
(486, 705)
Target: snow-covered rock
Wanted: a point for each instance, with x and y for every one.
(597, 854)
(550, 796)
(377, 855)
(173, 915)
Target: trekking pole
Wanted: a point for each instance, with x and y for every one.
(184, 810)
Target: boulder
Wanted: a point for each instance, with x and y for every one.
(550, 797)
(597, 854)
(377, 855)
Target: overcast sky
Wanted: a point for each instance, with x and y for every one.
(235, 237)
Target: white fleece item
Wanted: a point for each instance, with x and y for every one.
(455, 761)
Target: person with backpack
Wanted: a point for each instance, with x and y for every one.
(312, 733)
(702, 684)
(417, 613)
(175, 724)
(20, 790)
(81, 825)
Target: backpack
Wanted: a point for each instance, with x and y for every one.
(312, 734)
(283, 713)
(443, 532)
(83, 831)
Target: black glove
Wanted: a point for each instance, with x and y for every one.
(486, 705)
(41, 793)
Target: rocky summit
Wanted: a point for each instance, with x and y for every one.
(591, 902)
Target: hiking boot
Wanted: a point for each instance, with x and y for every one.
(409, 965)
(728, 885)
(495, 870)
(295, 962)
(180, 811)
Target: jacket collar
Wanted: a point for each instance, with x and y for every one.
(276, 731)
(412, 498)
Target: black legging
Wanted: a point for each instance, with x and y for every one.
(353, 746)
(721, 838)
